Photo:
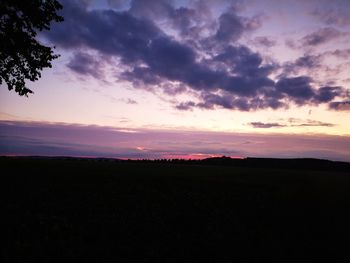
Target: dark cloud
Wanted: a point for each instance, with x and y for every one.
(321, 36)
(266, 125)
(340, 105)
(297, 89)
(86, 64)
(186, 105)
(292, 122)
(242, 61)
(305, 62)
(308, 61)
(314, 124)
(186, 20)
(171, 59)
(225, 75)
(174, 88)
(106, 31)
(300, 91)
(328, 93)
(228, 101)
(141, 76)
(230, 28)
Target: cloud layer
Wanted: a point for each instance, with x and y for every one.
(156, 45)
(48, 139)
(291, 122)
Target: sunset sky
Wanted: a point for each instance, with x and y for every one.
(189, 79)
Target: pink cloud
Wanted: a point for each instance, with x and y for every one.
(48, 139)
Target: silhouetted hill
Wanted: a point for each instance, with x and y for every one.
(295, 164)
(252, 162)
(218, 210)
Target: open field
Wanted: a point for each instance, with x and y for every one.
(55, 210)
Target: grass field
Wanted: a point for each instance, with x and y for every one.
(55, 210)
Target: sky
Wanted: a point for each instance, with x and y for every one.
(189, 79)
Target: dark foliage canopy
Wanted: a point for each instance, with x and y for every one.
(21, 55)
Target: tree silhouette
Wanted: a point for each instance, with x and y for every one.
(21, 55)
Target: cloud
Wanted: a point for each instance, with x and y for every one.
(322, 36)
(253, 23)
(187, 21)
(218, 70)
(292, 122)
(265, 125)
(291, 43)
(227, 101)
(308, 123)
(340, 53)
(151, 9)
(298, 89)
(264, 41)
(328, 93)
(186, 105)
(131, 101)
(86, 64)
(315, 124)
(118, 4)
(141, 76)
(340, 105)
(106, 31)
(338, 16)
(230, 28)
(53, 139)
(308, 61)
(305, 62)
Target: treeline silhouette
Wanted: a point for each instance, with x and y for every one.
(251, 162)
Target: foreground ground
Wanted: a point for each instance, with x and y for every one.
(54, 210)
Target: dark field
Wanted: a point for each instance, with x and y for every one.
(55, 210)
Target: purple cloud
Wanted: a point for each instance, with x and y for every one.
(216, 68)
(340, 53)
(338, 16)
(297, 89)
(292, 122)
(322, 36)
(264, 41)
(305, 62)
(328, 93)
(340, 105)
(86, 64)
(230, 28)
(186, 105)
(266, 125)
(314, 124)
(48, 139)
